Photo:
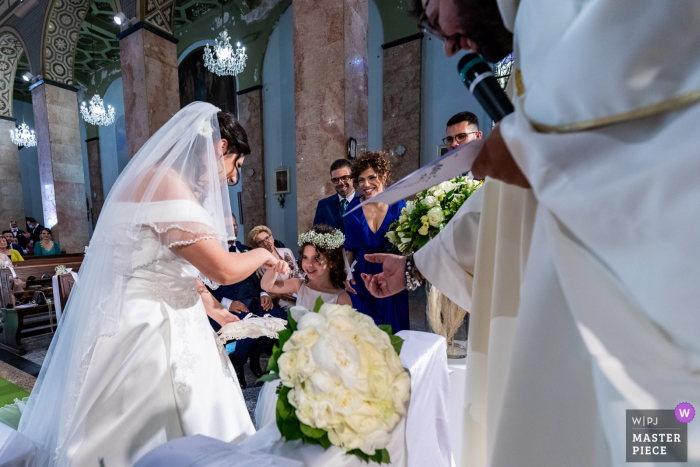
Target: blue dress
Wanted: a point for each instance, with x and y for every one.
(360, 239)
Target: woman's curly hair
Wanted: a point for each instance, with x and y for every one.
(377, 160)
(336, 262)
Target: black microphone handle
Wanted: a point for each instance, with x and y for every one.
(478, 77)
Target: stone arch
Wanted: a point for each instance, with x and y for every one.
(63, 25)
(11, 49)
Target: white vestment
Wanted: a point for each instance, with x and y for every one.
(585, 298)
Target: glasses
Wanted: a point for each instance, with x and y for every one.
(344, 179)
(265, 240)
(425, 24)
(459, 138)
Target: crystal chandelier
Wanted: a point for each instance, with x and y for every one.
(227, 61)
(23, 137)
(97, 114)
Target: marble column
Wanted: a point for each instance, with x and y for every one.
(11, 200)
(253, 168)
(97, 194)
(330, 95)
(61, 164)
(149, 77)
(402, 103)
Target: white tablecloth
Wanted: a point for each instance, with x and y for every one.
(458, 382)
(421, 440)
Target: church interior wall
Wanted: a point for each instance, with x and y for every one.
(440, 86)
(279, 131)
(375, 76)
(114, 153)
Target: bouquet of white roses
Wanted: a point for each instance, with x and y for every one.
(429, 213)
(343, 383)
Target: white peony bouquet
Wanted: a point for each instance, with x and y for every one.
(429, 213)
(343, 383)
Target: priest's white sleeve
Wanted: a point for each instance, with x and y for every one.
(447, 261)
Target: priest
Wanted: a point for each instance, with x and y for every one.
(582, 271)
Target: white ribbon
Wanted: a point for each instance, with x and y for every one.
(349, 269)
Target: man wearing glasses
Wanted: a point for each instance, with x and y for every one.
(462, 128)
(330, 210)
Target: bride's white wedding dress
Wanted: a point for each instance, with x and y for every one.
(163, 375)
(134, 362)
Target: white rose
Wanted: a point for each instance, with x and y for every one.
(378, 384)
(402, 218)
(435, 216)
(305, 364)
(439, 194)
(400, 390)
(298, 312)
(345, 401)
(410, 206)
(328, 310)
(301, 338)
(365, 420)
(344, 325)
(287, 364)
(430, 201)
(345, 437)
(305, 411)
(423, 230)
(323, 383)
(447, 186)
(311, 320)
(378, 440)
(338, 357)
(324, 414)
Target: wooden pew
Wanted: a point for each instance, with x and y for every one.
(31, 326)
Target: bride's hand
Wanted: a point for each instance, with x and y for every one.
(213, 308)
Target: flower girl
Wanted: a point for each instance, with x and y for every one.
(321, 258)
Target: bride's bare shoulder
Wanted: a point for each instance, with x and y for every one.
(159, 185)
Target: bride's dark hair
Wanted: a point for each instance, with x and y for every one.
(235, 136)
(233, 133)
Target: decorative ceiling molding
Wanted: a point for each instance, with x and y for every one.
(10, 52)
(160, 14)
(62, 32)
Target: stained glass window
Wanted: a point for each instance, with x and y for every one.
(503, 70)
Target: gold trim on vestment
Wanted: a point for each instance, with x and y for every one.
(665, 106)
(519, 85)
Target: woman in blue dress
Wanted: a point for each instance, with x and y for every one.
(365, 233)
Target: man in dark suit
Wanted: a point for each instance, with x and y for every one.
(34, 229)
(243, 298)
(12, 242)
(330, 211)
(21, 235)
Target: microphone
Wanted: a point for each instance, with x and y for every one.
(479, 78)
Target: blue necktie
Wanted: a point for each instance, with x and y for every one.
(343, 207)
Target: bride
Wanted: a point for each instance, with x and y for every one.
(134, 362)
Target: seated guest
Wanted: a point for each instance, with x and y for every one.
(241, 299)
(15, 242)
(330, 211)
(261, 237)
(34, 229)
(46, 246)
(462, 128)
(21, 235)
(6, 250)
(10, 240)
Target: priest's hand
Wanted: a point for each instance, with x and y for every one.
(391, 280)
(496, 161)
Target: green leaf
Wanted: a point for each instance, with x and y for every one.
(292, 429)
(360, 454)
(290, 321)
(268, 377)
(284, 337)
(272, 362)
(325, 442)
(284, 408)
(396, 343)
(386, 328)
(318, 305)
(311, 432)
(385, 457)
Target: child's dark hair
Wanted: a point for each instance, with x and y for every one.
(336, 262)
